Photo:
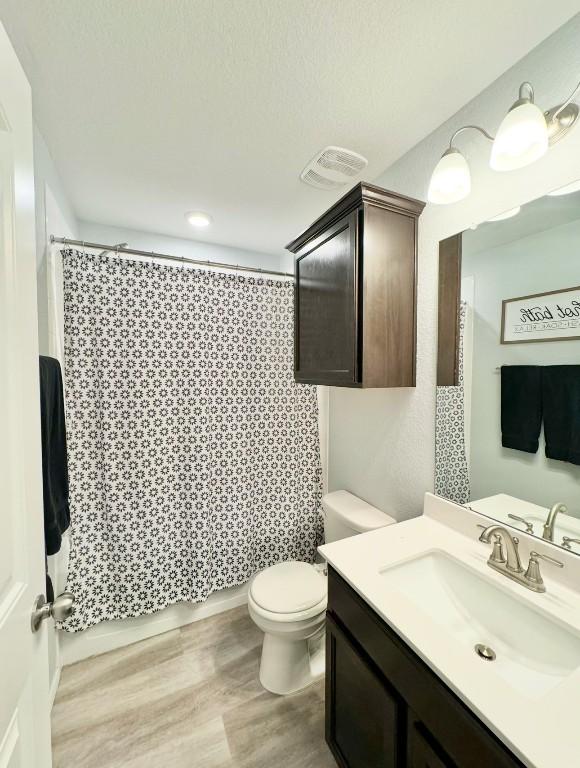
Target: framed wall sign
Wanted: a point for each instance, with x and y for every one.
(552, 316)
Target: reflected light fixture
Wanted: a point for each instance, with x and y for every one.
(198, 219)
(524, 135)
(506, 214)
(567, 190)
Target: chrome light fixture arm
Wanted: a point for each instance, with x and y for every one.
(469, 128)
(566, 103)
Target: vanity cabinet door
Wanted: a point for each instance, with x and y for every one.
(363, 716)
(422, 750)
(326, 317)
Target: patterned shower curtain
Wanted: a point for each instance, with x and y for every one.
(193, 455)
(451, 466)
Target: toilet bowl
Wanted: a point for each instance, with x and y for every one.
(287, 601)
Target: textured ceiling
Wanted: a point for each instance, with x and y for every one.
(151, 108)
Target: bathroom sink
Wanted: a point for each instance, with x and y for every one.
(532, 651)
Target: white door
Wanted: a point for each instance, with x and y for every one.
(24, 709)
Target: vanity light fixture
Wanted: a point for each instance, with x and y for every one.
(198, 219)
(524, 135)
(451, 179)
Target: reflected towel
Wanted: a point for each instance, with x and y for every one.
(521, 407)
(561, 402)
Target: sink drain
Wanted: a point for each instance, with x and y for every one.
(485, 652)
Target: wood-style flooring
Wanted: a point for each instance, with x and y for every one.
(189, 698)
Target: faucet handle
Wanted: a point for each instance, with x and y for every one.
(567, 541)
(533, 575)
(547, 558)
(529, 526)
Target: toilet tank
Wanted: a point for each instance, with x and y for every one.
(346, 515)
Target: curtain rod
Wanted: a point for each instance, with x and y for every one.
(166, 256)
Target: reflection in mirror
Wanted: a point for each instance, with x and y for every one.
(508, 373)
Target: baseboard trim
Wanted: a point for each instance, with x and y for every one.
(110, 635)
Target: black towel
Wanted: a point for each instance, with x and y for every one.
(561, 398)
(54, 461)
(521, 407)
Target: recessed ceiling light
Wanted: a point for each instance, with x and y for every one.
(567, 190)
(198, 219)
(506, 214)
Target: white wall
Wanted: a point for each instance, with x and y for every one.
(193, 249)
(382, 441)
(544, 261)
(56, 213)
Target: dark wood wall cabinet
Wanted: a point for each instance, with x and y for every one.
(385, 708)
(355, 301)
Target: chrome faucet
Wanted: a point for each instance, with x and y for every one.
(502, 537)
(548, 533)
(510, 565)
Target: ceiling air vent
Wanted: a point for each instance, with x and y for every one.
(333, 167)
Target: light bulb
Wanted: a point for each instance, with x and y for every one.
(451, 179)
(521, 139)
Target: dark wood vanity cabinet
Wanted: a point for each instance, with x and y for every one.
(355, 301)
(385, 708)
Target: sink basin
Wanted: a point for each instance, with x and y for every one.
(533, 651)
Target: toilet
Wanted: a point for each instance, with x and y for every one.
(287, 601)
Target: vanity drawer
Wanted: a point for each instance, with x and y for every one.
(462, 736)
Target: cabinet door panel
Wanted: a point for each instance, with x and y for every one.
(326, 307)
(363, 715)
(423, 751)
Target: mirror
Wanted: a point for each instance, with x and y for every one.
(508, 371)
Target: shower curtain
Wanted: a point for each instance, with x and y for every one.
(193, 455)
(451, 466)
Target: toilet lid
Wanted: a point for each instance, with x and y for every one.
(288, 587)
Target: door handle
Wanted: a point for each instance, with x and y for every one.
(60, 609)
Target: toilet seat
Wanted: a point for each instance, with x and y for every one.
(287, 618)
(289, 591)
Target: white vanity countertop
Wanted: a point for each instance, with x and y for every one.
(541, 729)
